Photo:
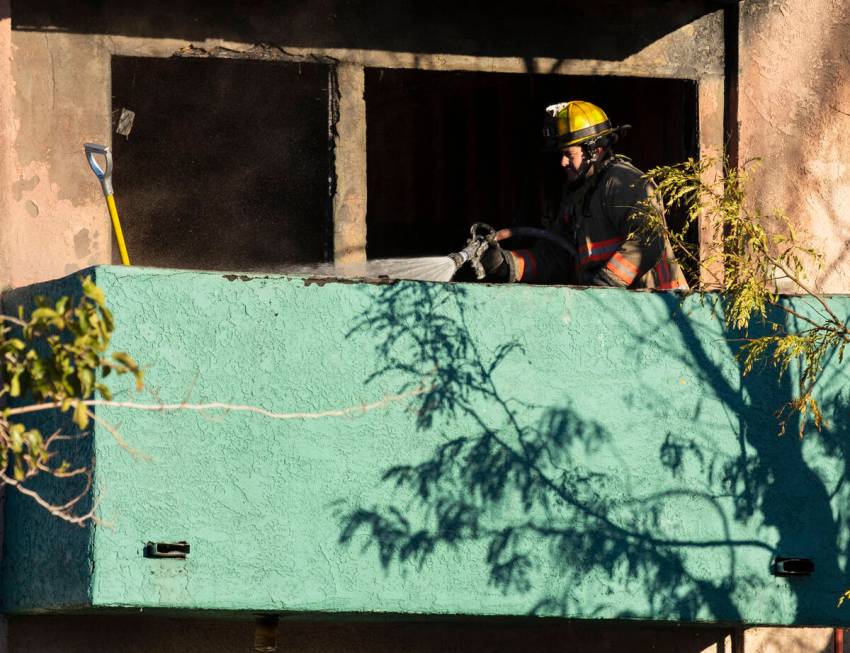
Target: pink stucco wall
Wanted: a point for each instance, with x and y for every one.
(794, 113)
(57, 92)
(6, 130)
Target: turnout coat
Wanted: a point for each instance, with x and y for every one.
(616, 246)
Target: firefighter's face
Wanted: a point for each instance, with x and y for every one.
(571, 160)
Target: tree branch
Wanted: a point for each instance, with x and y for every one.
(63, 512)
(226, 407)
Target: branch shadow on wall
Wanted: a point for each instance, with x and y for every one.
(792, 485)
(523, 481)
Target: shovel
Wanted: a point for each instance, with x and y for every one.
(105, 178)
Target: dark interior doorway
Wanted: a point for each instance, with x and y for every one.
(227, 162)
(447, 149)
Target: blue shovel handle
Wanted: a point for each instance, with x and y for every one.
(104, 176)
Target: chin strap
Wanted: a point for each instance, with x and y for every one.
(599, 160)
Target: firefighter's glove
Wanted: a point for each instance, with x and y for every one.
(499, 264)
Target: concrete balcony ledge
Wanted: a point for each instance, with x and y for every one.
(591, 454)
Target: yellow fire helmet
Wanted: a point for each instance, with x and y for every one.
(578, 121)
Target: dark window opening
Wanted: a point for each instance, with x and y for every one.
(226, 165)
(447, 149)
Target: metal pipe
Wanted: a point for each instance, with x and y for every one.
(265, 633)
(533, 232)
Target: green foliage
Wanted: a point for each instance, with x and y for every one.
(757, 253)
(50, 360)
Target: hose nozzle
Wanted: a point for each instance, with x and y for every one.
(481, 235)
(464, 255)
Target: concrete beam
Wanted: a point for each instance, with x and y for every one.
(658, 60)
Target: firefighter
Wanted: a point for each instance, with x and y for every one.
(602, 212)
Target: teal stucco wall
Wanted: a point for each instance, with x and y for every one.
(591, 454)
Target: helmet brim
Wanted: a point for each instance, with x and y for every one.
(577, 138)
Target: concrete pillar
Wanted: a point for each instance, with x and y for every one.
(710, 100)
(349, 205)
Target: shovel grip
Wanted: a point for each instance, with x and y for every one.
(104, 175)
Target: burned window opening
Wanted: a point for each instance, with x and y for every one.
(228, 162)
(448, 149)
(333, 135)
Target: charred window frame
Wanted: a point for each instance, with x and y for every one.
(228, 164)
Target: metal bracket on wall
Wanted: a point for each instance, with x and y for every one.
(166, 550)
(793, 567)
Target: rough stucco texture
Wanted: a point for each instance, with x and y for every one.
(57, 220)
(794, 113)
(6, 124)
(584, 453)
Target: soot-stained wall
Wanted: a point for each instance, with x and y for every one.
(67, 78)
(606, 29)
(226, 165)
